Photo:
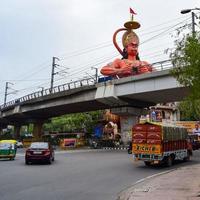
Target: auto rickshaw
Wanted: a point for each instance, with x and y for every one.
(8, 149)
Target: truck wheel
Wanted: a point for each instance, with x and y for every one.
(147, 163)
(169, 161)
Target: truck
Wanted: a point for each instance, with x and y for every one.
(155, 143)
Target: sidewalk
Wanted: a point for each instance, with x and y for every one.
(178, 184)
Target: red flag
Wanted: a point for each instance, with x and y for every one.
(132, 11)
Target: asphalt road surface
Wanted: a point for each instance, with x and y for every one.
(79, 175)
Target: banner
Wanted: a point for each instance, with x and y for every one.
(190, 125)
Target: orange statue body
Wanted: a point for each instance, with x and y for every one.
(130, 63)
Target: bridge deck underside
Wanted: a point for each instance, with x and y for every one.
(46, 113)
(164, 96)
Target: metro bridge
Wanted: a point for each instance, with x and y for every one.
(124, 96)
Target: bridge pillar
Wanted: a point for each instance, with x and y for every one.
(128, 117)
(37, 129)
(17, 129)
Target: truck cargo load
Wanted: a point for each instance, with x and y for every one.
(155, 143)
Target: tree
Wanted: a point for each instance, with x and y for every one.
(186, 62)
(83, 122)
(190, 110)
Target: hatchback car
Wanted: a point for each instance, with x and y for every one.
(39, 151)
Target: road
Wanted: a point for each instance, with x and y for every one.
(75, 175)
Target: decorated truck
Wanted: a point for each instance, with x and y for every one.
(155, 143)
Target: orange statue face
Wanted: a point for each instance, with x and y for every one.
(129, 37)
(130, 42)
(132, 48)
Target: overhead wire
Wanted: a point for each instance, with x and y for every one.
(167, 22)
(165, 31)
(95, 62)
(23, 80)
(162, 33)
(42, 67)
(85, 68)
(109, 43)
(153, 53)
(100, 47)
(86, 51)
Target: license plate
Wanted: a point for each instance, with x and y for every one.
(37, 152)
(156, 162)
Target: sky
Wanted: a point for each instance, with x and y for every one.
(79, 33)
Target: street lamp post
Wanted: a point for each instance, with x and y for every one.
(193, 18)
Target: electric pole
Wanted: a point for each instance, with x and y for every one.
(6, 91)
(53, 71)
(193, 24)
(96, 73)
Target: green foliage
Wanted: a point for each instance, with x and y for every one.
(7, 135)
(79, 122)
(190, 110)
(186, 62)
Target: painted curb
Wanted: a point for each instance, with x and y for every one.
(126, 190)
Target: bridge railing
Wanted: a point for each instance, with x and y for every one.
(49, 91)
(162, 65)
(158, 66)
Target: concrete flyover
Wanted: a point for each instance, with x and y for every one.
(141, 90)
(136, 91)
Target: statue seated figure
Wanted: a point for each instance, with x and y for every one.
(130, 63)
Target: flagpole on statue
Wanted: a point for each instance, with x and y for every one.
(132, 24)
(132, 13)
(131, 16)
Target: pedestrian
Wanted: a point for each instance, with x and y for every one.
(153, 115)
(196, 130)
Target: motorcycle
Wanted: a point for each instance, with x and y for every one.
(130, 148)
(95, 143)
